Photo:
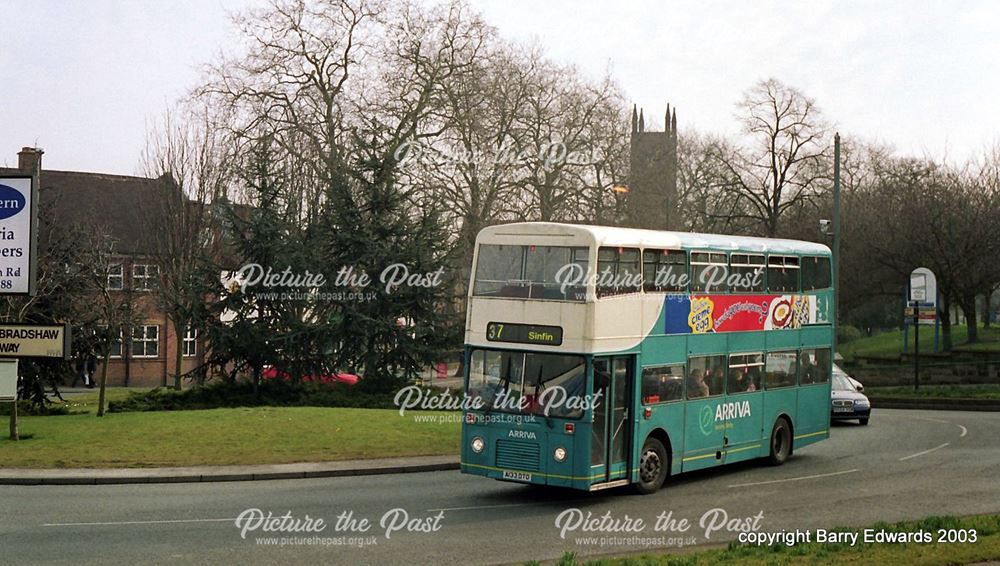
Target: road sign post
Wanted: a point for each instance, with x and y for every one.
(916, 346)
(18, 260)
(923, 299)
(8, 392)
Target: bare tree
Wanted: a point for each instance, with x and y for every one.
(782, 162)
(188, 155)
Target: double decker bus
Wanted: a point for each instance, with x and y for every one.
(598, 357)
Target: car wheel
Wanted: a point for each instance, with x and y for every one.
(863, 421)
(653, 467)
(781, 443)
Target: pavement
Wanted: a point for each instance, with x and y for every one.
(92, 476)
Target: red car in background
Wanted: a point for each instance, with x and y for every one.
(271, 372)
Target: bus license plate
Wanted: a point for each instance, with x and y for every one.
(517, 476)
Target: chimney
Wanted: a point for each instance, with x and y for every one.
(29, 159)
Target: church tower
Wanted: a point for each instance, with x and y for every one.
(652, 185)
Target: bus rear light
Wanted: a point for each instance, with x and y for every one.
(569, 428)
(478, 445)
(470, 418)
(647, 412)
(559, 454)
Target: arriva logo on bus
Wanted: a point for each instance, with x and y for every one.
(723, 412)
(732, 410)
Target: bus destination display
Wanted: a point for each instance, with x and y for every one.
(524, 333)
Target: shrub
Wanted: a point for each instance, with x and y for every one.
(273, 393)
(847, 333)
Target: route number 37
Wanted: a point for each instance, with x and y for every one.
(494, 331)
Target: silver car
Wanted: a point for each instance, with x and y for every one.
(847, 403)
(857, 384)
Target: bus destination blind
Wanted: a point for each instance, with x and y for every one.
(524, 333)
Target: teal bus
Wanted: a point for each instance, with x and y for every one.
(597, 357)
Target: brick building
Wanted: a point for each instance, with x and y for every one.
(70, 199)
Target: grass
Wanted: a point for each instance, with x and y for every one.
(258, 435)
(949, 391)
(986, 548)
(87, 402)
(890, 344)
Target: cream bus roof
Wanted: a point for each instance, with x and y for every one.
(548, 233)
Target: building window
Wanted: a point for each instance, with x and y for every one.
(190, 344)
(146, 341)
(116, 278)
(144, 276)
(117, 344)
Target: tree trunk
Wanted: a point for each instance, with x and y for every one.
(969, 308)
(256, 381)
(13, 421)
(986, 308)
(104, 383)
(179, 356)
(944, 313)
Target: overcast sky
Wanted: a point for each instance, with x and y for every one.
(82, 80)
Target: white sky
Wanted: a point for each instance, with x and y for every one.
(83, 79)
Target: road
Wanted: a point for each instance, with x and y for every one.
(905, 465)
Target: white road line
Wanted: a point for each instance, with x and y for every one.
(795, 479)
(905, 458)
(926, 419)
(160, 522)
(964, 431)
(487, 506)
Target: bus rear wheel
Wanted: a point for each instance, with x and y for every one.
(653, 467)
(781, 443)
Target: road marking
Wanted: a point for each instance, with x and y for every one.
(905, 458)
(796, 479)
(493, 506)
(160, 522)
(964, 430)
(927, 419)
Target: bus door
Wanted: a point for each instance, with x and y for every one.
(612, 432)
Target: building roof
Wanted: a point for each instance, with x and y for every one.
(125, 207)
(634, 237)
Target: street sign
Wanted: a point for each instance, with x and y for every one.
(17, 235)
(34, 341)
(8, 380)
(923, 286)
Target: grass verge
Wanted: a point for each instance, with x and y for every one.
(252, 435)
(986, 547)
(890, 344)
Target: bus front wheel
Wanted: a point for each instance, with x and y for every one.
(781, 443)
(653, 466)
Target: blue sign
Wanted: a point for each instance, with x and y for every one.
(11, 201)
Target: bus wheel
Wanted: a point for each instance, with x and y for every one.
(781, 443)
(652, 466)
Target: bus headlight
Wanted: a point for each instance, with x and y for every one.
(478, 445)
(559, 454)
